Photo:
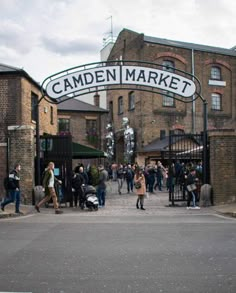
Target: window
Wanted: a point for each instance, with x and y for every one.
(168, 101)
(168, 65)
(51, 115)
(120, 105)
(34, 101)
(215, 73)
(63, 125)
(131, 101)
(111, 110)
(216, 102)
(91, 131)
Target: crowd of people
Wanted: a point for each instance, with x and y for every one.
(138, 179)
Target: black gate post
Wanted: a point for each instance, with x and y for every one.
(170, 175)
(205, 167)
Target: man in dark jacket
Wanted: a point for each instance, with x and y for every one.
(14, 189)
(77, 181)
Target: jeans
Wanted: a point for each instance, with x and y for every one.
(14, 196)
(191, 196)
(120, 184)
(130, 185)
(101, 194)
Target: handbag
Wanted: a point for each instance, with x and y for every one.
(191, 187)
(137, 185)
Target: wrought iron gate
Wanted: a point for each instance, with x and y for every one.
(185, 150)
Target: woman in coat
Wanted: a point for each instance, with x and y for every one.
(139, 179)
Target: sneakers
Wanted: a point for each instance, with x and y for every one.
(58, 212)
(37, 208)
(19, 213)
(196, 208)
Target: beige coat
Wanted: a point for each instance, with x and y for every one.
(142, 190)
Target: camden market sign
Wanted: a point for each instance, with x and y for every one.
(98, 76)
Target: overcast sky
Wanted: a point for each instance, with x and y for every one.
(46, 36)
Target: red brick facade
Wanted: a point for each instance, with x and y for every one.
(17, 128)
(149, 116)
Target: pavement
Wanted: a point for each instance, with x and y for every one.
(116, 204)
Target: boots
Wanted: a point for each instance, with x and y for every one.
(137, 206)
(142, 208)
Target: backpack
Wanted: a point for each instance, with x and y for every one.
(6, 183)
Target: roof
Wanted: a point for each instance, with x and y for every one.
(8, 69)
(76, 105)
(191, 46)
(157, 145)
(163, 144)
(80, 151)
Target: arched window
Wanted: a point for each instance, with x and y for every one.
(168, 65)
(216, 101)
(131, 101)
(215, 73)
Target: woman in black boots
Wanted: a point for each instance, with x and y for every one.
(140, 186)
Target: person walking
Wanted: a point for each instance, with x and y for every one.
(140, 186)
(101, 188)
(48, 184)
(191, 187)
(129, 178)
(120, 177)
(13, 189)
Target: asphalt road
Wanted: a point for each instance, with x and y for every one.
(119, 249)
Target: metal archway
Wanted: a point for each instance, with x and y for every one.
(126, 75)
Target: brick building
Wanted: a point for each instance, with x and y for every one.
(153, 115)
(19, 94)
(85, 122)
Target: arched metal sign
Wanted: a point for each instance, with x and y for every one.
(98, 76)
(125, 75)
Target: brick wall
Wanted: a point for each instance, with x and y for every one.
(148, 106)
(15, 105)
(22, 150)
(223, 165)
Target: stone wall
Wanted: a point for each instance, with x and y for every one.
(22, 150)
(223, 165)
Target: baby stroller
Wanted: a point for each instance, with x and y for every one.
(89, 198)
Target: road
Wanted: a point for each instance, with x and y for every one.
(119, 249)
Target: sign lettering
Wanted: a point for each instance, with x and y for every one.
(120, 75)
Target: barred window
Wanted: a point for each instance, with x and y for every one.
(168, 65)
(168, 101)
(120, 105)
(34, 101)
(215, 73)
(216, 101)
(63, 125)
(131, 101)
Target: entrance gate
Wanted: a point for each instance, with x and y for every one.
(125, 74)
(184, 150)
(58, 149)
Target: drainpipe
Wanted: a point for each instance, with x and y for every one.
(193, 102)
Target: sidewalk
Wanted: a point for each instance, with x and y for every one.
(119, 204)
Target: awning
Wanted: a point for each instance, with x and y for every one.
(80, 151)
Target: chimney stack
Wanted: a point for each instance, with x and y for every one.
(96, 100)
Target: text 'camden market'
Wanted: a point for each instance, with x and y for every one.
(112, 75)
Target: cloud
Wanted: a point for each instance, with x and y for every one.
(14, 37)
(65, 46)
